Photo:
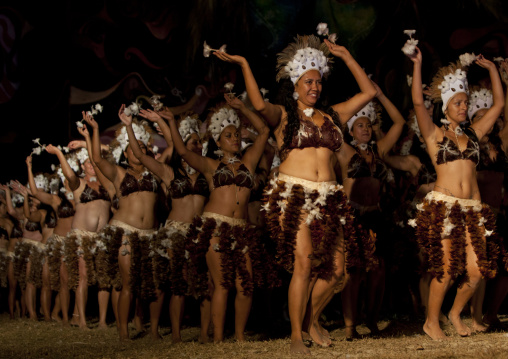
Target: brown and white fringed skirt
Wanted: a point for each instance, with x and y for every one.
(170, 264)
(442, 217)
(235, 241)
(80, 244)
(33, 252)
(4, 264)
(55, 253)
(121, 239)
(325, 208)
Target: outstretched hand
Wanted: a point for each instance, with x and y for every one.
(416, 57)
(235, 59)
(483, 62)
(90, 120)
(166, 113)
(52, 149)
(76, 144)
(151, 115)
(337, 50)
(127, 120)
(234, 102)
(83, 131)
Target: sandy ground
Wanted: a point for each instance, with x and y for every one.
(400, 338)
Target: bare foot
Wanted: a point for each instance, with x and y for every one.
(65, 323)
(84, 327)
(203, 339)
(323, 331)
(462, 329)
(297, 347)
(102, 326)
(479, 327)
(351, 333)
(374, 330)
(318, 338)
(156, 336)
(434, 331)
(75, 320)
(56, 318)
(177, 339)
(443, 319)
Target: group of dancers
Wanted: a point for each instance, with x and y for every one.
(327, 194)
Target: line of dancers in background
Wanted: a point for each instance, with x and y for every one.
(329, 195)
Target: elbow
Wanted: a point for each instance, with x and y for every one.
(260, 107)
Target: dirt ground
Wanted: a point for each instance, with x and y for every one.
(400, 338)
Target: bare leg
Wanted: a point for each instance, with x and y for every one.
(12, 289)
(46, 293)
(243, 304)
(206, 315)
(155, 313)
(499, 291)
(30, 296)
(82, 293)
(176, 307)
(477, 307)
(350, 302)
(466, 290)
(300, 288)
(125, 297)
(138, 317)
(56, 309)
(375, 293)
(324, 291)
(115, 295)
(103, 298)
(220, 294)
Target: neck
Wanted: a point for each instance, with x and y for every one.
(303, 106)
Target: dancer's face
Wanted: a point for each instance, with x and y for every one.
(130, 155)
(88, 168)
(362, 130)
(194, 144)
(457, 108)
(309, 88)
(229, 140)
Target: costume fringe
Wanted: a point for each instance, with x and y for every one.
(105, 269)
(88, 248)
(431, 230)
(56, 253)
(3, 268)
(72, 259)
(161, 262)
(21, 253)
(265, 272)
(36, 258)
(197, 244)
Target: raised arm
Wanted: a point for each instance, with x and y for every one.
(158, 119)
(483, 125)
(159, 169)
(69, 174)
(427, 127)
(270, 112)
(252, 156)
(386, 143)
(8, 200)
(31, 216)
(108, 169)
(42, 196)
(367, 92)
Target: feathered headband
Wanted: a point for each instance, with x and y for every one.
(220, 119)
(451, 80)
(370, 111)
(478, 100)
(305, 54)
(188, 126)
(41, 182)
(119, 145)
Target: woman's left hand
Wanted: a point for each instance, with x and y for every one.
(234, 102)
(127, 120)
(483, 62)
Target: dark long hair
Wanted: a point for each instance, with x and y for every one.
(285, 98)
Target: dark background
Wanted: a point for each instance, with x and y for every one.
(60, 57)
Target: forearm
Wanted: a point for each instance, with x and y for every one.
(133, 142)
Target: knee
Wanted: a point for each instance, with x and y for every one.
(302, 267)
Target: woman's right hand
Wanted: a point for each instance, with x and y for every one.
(90, 120)
(76, 144)
(416, 57)
(127, 120)
(235, 59)
(52, 149)
(156, 116)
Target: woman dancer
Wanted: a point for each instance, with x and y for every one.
(92, 204)
(54, 269)
(364, 172)
(131, 228)
(223, 234)
(14, 204)
(305, 206)
(451, 224)
(187, 194)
